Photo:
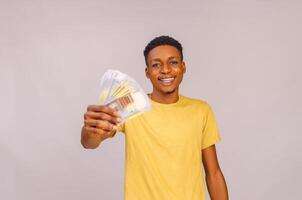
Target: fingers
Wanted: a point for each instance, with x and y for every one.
(101, 116)
(97, 131)
(102, 124)
(104, 109)
(101, 120)
(102, 113)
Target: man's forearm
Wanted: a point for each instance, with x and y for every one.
(217, 186)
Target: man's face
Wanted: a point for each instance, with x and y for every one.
(165, 69)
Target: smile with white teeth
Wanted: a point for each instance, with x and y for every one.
(167, 81)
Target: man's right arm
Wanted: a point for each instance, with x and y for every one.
(100, 123)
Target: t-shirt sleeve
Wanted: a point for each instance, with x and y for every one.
(210, 132)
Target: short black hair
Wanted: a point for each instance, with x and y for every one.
(162, 40)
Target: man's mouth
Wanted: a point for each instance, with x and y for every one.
(166, 80)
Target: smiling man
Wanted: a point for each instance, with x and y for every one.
(168, 147)
(165, 69)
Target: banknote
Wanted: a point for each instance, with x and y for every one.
(123, 93)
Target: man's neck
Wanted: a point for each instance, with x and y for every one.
(165, 98)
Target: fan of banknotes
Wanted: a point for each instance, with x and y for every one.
(121, 92)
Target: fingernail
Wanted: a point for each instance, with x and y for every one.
(118, 119)
(114, 127)
(116, 113)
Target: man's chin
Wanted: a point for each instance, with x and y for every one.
(169, 92)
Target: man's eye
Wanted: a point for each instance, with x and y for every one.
(155, 65)
(174, 62)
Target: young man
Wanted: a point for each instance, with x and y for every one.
(167, 146)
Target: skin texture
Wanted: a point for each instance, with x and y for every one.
(164, 62)
(99, 124)
(214, 178)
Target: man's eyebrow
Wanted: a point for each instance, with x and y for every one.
(156, 59)
(171, 57)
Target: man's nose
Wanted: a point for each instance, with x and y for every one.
(166, 68)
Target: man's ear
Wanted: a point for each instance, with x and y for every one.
(184, 67)
(147, 72)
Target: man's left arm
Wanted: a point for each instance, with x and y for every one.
(214, 178)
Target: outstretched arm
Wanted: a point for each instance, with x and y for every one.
(214, 178)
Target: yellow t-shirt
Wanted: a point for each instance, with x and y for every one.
(163, 150)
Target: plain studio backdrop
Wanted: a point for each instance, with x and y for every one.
(243, 57)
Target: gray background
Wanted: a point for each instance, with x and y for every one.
(243, 57)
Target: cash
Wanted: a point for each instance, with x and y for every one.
(123, 93)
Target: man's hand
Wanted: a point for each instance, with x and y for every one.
(100, 122)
